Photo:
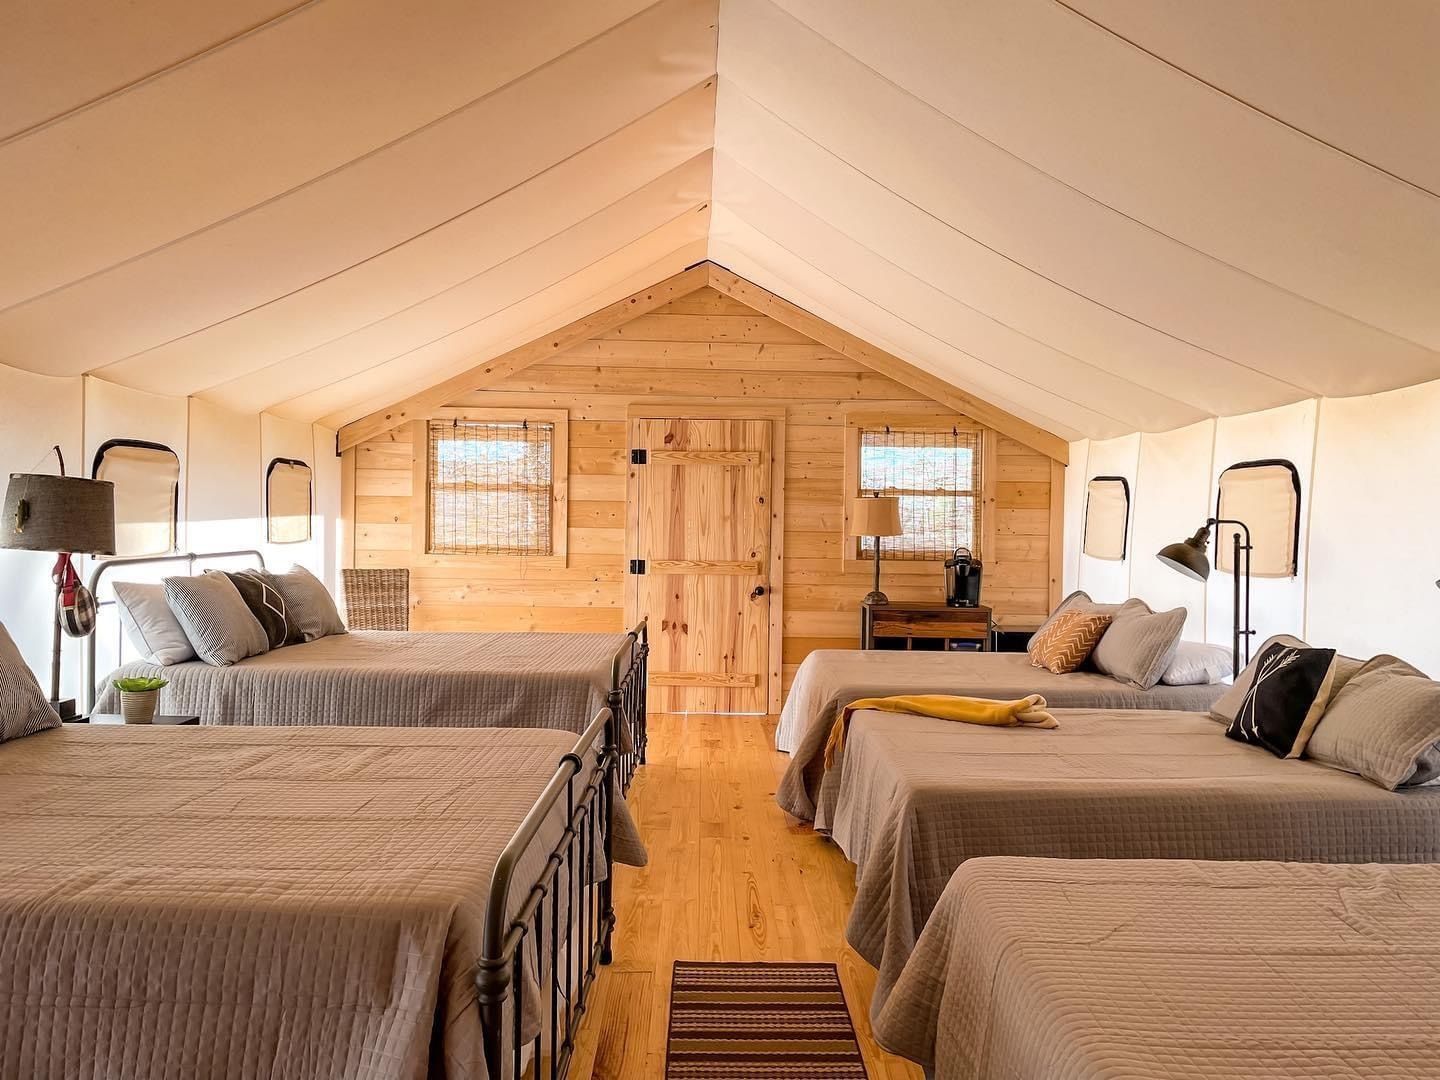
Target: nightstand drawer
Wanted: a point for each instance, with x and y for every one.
(926, 625)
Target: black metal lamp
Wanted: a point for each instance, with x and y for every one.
(1189, 558)
(67, 515)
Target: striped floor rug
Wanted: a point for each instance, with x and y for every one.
(760, 1022)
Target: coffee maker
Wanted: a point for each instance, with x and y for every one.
(962, 579)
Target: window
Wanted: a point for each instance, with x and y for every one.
(495, 483)
(935, 473)
(1107, 517)
(146, 476)
(287, 501)
(1265, 495)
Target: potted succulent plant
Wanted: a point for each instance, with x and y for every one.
(139, 696)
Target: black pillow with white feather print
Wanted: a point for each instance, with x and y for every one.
(1289, 694)
(266, 604)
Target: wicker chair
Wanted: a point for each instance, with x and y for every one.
(377, 599)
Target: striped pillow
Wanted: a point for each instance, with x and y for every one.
(23, 708)
(308, 604)
(215, 618)
(1063, 644)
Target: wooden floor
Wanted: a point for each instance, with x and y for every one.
(730, 878)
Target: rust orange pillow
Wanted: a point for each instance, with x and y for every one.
(1063, 645)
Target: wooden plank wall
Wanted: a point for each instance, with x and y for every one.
(709, 348)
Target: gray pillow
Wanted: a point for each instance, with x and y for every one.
(1139, 644)
(1079, 600)
(150, 624)
(1385, 725)
(24, 709)
(308, 605)
(215, 619)
(1224, 710)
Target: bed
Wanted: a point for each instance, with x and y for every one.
(380, 677)
(346, 901)
(1063, 970)
(829, 679)
(918, 797)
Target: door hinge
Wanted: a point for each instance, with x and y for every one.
(639, 457)
(637, 566)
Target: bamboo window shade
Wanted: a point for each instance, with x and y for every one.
(491, 487)
(936, 477)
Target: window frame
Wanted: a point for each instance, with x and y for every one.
(421, 555)
(1085, 523)
(146, 444)
(917, 420)
(310, 499)
(1262, 463)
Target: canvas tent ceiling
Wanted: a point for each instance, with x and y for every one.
(1102, 215)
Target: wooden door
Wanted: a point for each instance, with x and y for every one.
(702, 528)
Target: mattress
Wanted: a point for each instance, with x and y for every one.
(380, 677)
(918, 797)
(257, 902)
(829, 679)
(1037, 969)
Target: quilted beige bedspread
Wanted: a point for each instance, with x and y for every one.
(396, 678)
(829, 679)
(256, 902)
(918, 797)
(1040, 969)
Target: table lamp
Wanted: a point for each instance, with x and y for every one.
(1189, 558)
(876, 516)
(67, 515)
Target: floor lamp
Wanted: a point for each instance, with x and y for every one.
(1189, 558)
(67, 515)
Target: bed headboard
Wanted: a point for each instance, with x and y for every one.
(106, 566)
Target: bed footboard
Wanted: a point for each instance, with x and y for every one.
(541, 957)
(629, 682)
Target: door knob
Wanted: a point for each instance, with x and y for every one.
(757, 592)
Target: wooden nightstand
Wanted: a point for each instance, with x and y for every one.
(116, 718)
(936, 624)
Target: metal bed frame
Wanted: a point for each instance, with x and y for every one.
(562, 927)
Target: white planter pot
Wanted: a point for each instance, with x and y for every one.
(138, 707)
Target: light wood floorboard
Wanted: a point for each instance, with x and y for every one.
(730, 878)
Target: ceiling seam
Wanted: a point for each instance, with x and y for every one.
(933, 336)
(703, 205)
(328, 173)
(1188, 406)
(1244, 103)
(158, 73)
(1091, 198)
(427, 231)
(944, 224)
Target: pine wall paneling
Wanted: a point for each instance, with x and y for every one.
(711, 349)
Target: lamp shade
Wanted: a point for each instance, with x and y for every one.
(59, 514)
(875, 516)
(1188, 556)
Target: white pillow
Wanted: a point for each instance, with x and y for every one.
(1198, 664)
(150, 624)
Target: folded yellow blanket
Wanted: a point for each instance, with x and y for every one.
(1029, 711)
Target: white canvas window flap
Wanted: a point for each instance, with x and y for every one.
(147, 484)
(1107, 515)
(288, 501)
(1264, 496)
